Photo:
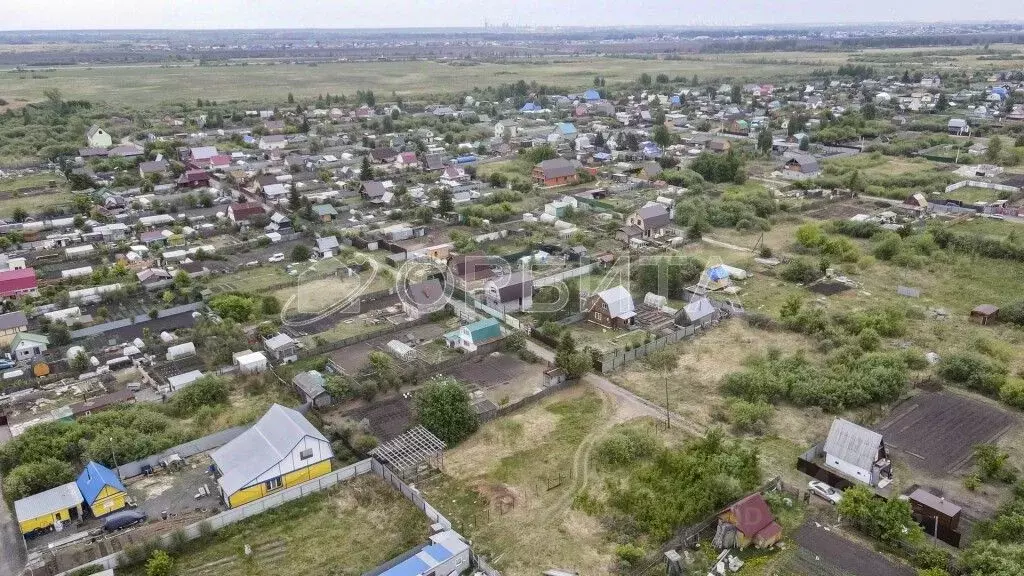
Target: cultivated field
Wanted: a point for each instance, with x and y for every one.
(501, 377)
(938, 431)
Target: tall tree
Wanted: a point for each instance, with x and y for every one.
(764, 141)
(442, 406)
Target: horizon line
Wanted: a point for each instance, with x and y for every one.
(511, 26)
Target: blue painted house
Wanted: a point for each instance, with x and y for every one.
(446, 554)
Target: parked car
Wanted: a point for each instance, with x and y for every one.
(279, 257)
(825, 491)
(123, 519)
(5, 364)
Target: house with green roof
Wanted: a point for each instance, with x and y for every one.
(28, 346)
(325, 212)
(471, 336)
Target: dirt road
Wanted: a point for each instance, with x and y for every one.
(12, 546)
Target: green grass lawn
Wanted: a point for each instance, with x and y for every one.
(972, 194)
(35, 203)
(39, 180)
(343, 531)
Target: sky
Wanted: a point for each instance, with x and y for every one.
(217, 14)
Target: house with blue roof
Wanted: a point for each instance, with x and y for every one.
(447, 554)
(101, 489)
(530, 107)
(651, 150)
(565, 129)
(471, 336)
(591, 95)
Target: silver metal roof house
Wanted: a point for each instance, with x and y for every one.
(857, 452)
(262, 447)
(48, 502)
(619, 301)
(413, 454)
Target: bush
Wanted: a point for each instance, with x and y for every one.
(204, 392)
(800, 271)
(300, 252)
(33, 477)
(1012, 313)
(752, 417)
(973, 371)
(1012, 393)
(629, 554)
(442, 406)
(627, 446)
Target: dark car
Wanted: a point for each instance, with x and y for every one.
(123, 519)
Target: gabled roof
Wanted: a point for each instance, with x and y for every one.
(654, 215)
(373, 189)
(13, 320)
(326, 243)
(324, 210)
(279, 341)
(556, 168)
(698, 309)
(311, 383)
(48, 502)
(203, 152)
(92, 480)
(807, 163)
(518, 285)
(852, 443)
(261, 447)
(619, 301)
(29, 337)
(752, 517)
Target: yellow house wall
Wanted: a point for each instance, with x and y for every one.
(109, 500)
(46, 520)
(246, 495)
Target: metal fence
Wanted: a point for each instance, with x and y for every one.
(141, 318)
(337, 344)
(215, 440)
(233, 515)
(616, 360)
(411, 494)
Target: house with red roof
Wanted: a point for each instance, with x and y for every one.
(16, 283)
(407, 160)
(194, 179)
(747, 522)
(243, 212)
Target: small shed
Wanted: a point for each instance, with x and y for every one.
(49, 508)
(984, 314)
(179, 381)
(747, 522)
(310, 385)
(401, 350)
(249, 362)
(936, 510)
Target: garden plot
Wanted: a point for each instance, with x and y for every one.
(938, 431)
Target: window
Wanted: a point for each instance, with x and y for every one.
(273, 483)
(306, 454)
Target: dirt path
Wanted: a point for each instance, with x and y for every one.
(581, 459)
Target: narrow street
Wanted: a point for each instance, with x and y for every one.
(12, 545)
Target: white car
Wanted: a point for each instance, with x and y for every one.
(279, 257)
(825, 491)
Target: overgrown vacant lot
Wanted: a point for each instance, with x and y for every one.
(344, 531)
(512, 485)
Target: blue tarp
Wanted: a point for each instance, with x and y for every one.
(592, 95)
(718, 273)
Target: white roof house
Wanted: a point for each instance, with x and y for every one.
(858, 452)
(48, 502)
(281, 442)
(619, 301)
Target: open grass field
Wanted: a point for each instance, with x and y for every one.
(972, 194)
(271, 82)
(34, 203)
(346, 531)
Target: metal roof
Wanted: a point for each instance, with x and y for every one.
(261, 447)
(852, 443)
(94, 478)
(53, 500)
(619, 301)
(13, 320)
